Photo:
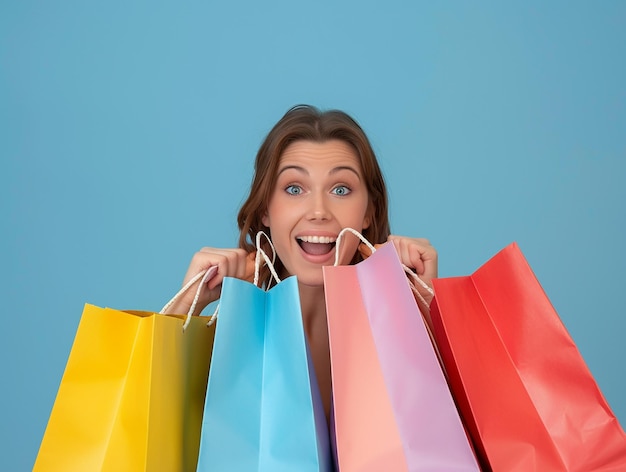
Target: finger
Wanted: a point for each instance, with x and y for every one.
(428, 257)
(404, 253)
(231, 264)
(208, 257)
(417, 254)
(364, 250)
(250, 267)
(238, 263)
(411, 252)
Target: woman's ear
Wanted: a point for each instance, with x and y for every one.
(265, 219)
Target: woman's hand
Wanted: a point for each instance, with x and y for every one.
(421, 257)
(230, 263)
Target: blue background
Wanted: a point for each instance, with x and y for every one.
(128, 131)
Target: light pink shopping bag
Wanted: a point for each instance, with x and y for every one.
(392, 406)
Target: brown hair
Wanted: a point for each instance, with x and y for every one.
(307, 123)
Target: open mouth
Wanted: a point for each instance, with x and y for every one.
(316, 245)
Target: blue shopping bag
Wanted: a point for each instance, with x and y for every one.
(263, 410)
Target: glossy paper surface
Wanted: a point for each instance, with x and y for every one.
(263, 410)
(132, 394)
(528, 397)
(393, 409)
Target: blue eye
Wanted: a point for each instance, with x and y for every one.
(293, 190)
(341, 190)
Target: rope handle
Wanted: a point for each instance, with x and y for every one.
(257, 268)
(372, 248)
(261, 253)
(205, 275)
(413, 276)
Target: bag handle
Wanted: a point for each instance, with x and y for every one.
(257, 268)
(372, 248)
(204, 275)
(413, 276)
(261, 253)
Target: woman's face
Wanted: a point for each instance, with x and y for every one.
(319, 191)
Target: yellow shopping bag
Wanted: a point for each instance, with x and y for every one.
(132, 394)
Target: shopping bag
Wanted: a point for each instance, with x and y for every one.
(392, 407)
(525, 392)
(263, 409)
(131, 396)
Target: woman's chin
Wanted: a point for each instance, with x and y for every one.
(311, 278)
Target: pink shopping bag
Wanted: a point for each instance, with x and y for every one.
(392, 406)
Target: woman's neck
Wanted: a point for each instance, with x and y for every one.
(313, 306)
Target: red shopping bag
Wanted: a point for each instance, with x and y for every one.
(393, 409)
(528, 399)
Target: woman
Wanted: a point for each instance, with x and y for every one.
(315, 174)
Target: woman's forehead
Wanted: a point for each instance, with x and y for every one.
(332, 152)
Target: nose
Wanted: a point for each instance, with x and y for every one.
(318, 210)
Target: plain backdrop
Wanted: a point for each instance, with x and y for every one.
(128, 131)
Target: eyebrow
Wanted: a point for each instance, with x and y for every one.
(334, 170)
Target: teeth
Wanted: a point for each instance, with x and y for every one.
(317, 239)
